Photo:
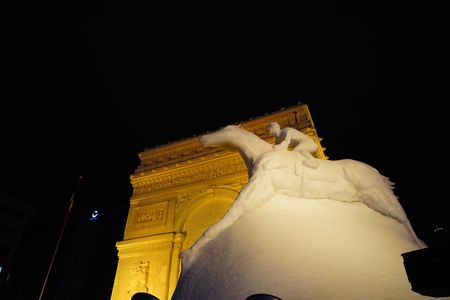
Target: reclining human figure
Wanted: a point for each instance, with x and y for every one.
(302, 143)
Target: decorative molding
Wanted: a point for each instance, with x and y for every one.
(149, 215)
(184, 198)
(186, 152)
(190, 149)
(168, 179)
(139, 273)
(234, 186)
(139, 246)
(204, 172)
(139, 250)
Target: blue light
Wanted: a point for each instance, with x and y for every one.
(94, 215)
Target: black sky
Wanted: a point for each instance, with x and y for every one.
(86, 85)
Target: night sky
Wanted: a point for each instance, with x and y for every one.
(87, 85)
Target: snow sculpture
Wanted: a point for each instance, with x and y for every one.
(332, 232)
(274, 170)
(304, 144)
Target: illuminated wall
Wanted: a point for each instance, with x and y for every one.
(178, 191)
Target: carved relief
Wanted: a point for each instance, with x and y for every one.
(179, 155)
(139, 273)
(213, 170)
(184, 198)
(303, 117)
(138, 250)
(191, 148)
(150, 215)
(192, 170)
(234, 186)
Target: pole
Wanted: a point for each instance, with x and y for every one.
(66, 218)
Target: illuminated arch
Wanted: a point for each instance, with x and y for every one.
(203, 211)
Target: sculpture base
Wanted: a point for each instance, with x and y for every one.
(303, 249)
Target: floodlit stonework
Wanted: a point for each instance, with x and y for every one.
(179, 190)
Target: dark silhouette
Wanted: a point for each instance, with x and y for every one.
(143, 296)
(262, 297)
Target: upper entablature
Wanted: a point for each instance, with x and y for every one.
(189, 150)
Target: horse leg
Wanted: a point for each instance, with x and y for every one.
(258, 191)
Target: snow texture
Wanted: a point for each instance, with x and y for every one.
(297, 248)
(332, 232)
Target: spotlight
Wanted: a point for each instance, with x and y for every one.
(94, 215)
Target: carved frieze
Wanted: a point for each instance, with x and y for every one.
(184, 198)
(231, 165)
(150, 215)
(166, 184)
(138, 250)
(190, 149)
(176, 156)
(146, 245)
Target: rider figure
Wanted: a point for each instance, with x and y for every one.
(302, 143)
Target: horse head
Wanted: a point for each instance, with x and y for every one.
(249, 145)
(220, 137)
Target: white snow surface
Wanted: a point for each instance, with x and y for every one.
(303, 249)
(335, 231)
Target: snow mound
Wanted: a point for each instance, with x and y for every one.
(298, 248)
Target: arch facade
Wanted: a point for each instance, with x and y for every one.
(179, 190)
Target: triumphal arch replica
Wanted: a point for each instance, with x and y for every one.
(179, 190)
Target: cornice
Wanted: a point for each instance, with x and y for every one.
(187, 162)
(173, 154)
(212, 168)
(138, 246)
